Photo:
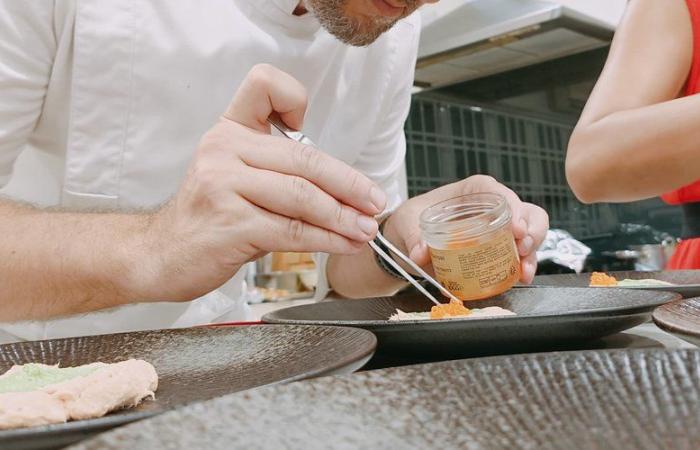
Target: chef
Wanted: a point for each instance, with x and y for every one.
(139, 174)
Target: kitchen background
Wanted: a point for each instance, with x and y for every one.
(499, 87)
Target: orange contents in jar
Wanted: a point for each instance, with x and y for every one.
(472, 245)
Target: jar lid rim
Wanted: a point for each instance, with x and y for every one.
(495, 201)
(465, 214)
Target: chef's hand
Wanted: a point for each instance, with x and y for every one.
(248, 193)
(530, 222)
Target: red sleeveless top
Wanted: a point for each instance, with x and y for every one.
(691, 192)
(687, 255)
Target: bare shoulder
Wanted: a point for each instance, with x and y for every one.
(657, 21)
(649, 60)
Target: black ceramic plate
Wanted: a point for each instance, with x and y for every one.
(687, 281)
(642, 399)
(193, 365)
(547, 316)
(681, 318)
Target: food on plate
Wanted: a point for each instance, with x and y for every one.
(599, 279)
(452, 310)
(447, 310)
(39, 394)
(649, 282)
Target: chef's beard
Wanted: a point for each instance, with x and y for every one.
(358, 32)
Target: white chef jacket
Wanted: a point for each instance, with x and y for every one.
(102, 104)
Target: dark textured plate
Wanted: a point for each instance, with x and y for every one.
(546, 316)
(681, 318)
(642, 399)
(193, 364)
(687, 281)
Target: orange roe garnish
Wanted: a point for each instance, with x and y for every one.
(599, 279)
(452, 309)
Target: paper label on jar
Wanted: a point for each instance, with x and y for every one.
(478, 269)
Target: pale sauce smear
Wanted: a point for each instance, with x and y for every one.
(38, 394)
(599, 279)
(452, 310)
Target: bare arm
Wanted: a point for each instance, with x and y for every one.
(246, 193)
(55, 263)
(51, 263)
(636, 139)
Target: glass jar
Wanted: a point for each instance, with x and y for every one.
(472, 245)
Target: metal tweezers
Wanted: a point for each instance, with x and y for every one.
(277, 122)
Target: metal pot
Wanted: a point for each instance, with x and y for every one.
(647, 257)
(289, 281)
(652, 256)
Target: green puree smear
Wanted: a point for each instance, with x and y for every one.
(36, 376)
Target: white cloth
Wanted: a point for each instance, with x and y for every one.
(102, 104)
(561, 248)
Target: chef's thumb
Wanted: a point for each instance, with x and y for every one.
(265, 90)
(417, 249)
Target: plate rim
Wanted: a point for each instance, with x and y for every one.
(672, 327)
(110, 421)
(619, 272)
(630, 350)
(639, 288)
(468, 363)
(614, 310)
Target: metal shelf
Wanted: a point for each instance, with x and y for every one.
(449, 141)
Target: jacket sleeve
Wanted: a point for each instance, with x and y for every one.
(27, 49)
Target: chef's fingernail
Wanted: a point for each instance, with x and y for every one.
(523, 224)
(378, 198)
(367, 224)
(415, 252)
(529, 272)
(526, 245)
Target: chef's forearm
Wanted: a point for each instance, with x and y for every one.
(359, 276)
(55, 263)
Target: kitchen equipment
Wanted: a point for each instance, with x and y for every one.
(308, 279)
(282, 286)
(283, 276)
(646, 257)
(653, 256)
(288, 281)
(465, 40)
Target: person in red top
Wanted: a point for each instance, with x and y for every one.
(639, 134)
